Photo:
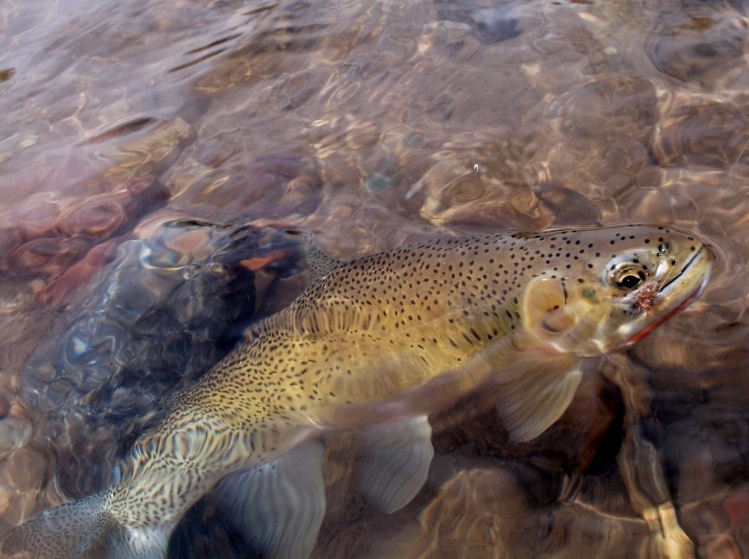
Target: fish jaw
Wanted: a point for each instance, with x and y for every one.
(675, 293)
(677, 307)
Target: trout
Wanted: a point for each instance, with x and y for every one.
(376, 345)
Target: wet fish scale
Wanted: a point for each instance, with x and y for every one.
(378, 344)
(342, 321)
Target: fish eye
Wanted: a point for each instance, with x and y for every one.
(627, 276)
(629, 281)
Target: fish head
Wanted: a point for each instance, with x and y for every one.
(604, 289)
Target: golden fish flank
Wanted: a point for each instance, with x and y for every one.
(378, 344)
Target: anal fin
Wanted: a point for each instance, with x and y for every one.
(396, 456)
(279, 506)
(531, 398)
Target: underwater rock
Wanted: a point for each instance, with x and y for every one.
(158, 316)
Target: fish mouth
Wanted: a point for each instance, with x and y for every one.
(701, 255)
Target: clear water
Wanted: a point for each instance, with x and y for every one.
(376, 123)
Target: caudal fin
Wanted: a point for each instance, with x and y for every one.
(82, 530)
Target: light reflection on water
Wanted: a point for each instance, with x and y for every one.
(375, 124)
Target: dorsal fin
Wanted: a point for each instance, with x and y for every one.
(319, 264)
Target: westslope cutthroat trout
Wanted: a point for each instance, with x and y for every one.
(376, 345)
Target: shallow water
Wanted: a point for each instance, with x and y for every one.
(374, 124)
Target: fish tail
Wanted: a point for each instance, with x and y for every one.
(83, 529)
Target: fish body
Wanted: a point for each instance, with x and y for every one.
(376, 345)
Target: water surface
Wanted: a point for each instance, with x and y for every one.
(374, 124)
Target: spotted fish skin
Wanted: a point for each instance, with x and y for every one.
(397, 335)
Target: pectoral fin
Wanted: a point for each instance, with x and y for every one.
(396, 459)
(532, 398)
(278, 506)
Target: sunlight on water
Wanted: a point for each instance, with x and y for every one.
(156, 157)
